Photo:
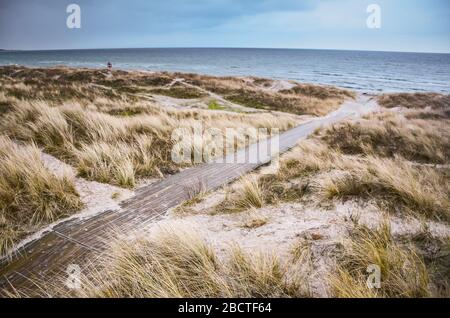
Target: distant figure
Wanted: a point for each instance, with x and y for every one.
(109, 65)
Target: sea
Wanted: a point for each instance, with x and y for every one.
(359, 70)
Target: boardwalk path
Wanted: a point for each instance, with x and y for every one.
(80, 242)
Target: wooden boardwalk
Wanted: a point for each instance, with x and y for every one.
(82, 241)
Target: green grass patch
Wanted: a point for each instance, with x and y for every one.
(214, 105)
(179, 92)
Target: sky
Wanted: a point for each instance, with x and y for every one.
(406, 25)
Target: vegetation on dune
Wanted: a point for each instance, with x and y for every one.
(127, 111)
(409, 266)
(110, 130)
(395, 184)
(424, 106)
(385, 157)
(177, 262)
(255, 192)
(30, 195)
(316, 100)
(296, 104)
(107, 125)
(320, 92)
(136, 142)
(262, 82)
(181, 92)
(417, 100)
(435, 252)
(403, 272)
(398, 160)
(5, 107)
(214, 105)
(103, 123)
(252, 195)
(390, 135)
(58, 85)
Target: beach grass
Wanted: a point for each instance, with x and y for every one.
(30, 195)
(113, 128)
(403, 273)
(178, 262)
(109, 136)
(400, 162)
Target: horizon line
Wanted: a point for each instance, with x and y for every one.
(212, 47)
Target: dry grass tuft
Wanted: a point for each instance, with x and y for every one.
(391, 135)
(403, 272)
(394, 183)
(262, 275)
(251, 195)
(247, 194)
(320, 92)
(176, 262)
(417, 100)
(30, 195)
(435, 251)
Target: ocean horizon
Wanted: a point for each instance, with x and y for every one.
(369, 71)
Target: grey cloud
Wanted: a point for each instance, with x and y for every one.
(41, 23)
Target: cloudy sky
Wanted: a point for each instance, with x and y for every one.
(407, 25)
